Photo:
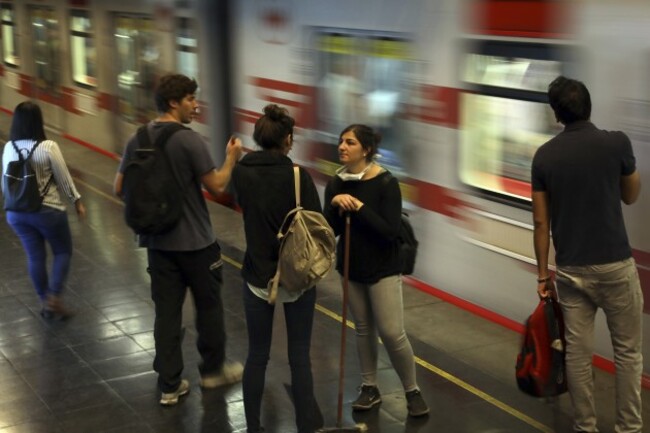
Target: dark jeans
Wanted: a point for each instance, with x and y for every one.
(299, 317)
(34, 229)
(171, 273)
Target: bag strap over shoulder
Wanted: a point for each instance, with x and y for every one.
(144, 140)
(275, 281)
(20, 154)
(296, 183)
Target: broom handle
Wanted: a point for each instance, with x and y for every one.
(344, 315)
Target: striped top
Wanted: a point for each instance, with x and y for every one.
(46, 160)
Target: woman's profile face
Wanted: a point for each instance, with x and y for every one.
(350, 149)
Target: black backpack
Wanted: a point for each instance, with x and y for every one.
(20, 185)
(408, 245)
(153, 198)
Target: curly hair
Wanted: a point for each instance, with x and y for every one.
(173, 87)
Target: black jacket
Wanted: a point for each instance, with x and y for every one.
(264, 188)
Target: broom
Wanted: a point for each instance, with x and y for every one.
(358, 428)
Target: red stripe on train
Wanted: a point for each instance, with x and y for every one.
(527, 19)
(598, 361)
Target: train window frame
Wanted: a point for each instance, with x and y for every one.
(186, 52)
(356, 60)
(137, 58)
(9, 36)
(512, 97)
(83, 50)
(46, 67)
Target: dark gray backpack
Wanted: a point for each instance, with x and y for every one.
(153, 198)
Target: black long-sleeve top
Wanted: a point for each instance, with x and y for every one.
(264, 189)
(374, 247)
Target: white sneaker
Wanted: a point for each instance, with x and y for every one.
(231, 372)
(171, 398)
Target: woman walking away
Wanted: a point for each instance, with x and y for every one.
(371, 196)
(50, 222)
(264, 186)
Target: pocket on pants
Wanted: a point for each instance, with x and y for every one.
(617, 293)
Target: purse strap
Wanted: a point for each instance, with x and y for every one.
(296, 183)
(275, 281)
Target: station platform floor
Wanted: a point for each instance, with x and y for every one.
(93, 373)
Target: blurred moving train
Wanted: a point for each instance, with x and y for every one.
(456, 87)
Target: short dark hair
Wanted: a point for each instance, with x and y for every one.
(173, 87)
(273, 127)
(27, 122)
(569, 99)
(367, 136)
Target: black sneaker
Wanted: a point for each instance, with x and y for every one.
(368, 397)
(416, 404)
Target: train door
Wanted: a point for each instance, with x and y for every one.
(46, 55)
(136, 63)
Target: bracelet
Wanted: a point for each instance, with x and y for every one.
(543, 280)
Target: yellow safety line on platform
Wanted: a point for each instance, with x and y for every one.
(432, 368)
(451, 378)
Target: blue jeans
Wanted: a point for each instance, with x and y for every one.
(172, 272)
(34, 229)
(299, 317)
(615, 288)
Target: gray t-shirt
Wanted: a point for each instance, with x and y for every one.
(190, 160)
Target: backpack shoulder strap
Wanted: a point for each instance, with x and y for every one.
(20, 154)
(144, 140)
(31, 152)
(296, 183)
(166, 134)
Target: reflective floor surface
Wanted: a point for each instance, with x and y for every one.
(93, 373)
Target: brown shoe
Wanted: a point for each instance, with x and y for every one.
(55, 305)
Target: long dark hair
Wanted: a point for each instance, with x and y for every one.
(27, 122)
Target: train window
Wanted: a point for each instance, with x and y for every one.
(45, 28)
(9, 35)
(187, 61)
(361, 79)
(137, 57)
(505, 116)
(84, 54)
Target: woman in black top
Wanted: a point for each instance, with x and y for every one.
(371, 196)
(264, 186)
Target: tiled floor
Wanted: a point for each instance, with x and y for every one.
(93, 373)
